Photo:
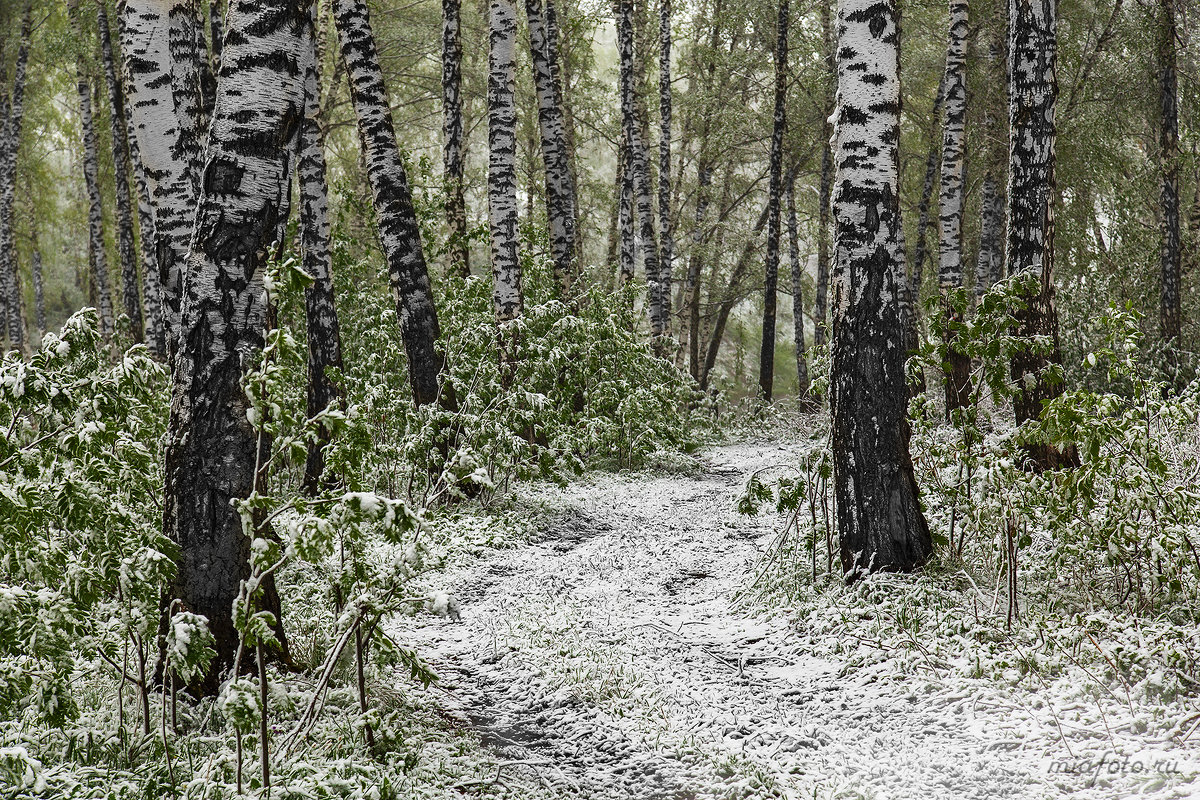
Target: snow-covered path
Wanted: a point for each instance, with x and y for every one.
(606, 660)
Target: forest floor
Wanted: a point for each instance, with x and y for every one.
(608, 657)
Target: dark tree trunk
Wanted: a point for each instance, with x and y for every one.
(733, 296)
(120, 148)
(398, 228)
(880, 522)
(453, 145)
(212, 449)
(324, 337)
(825, 192)
(1033, 89)
(951, 197)
(695, 265)
(766, 355)
(667, 252)
(1168, 145)
(97, 258)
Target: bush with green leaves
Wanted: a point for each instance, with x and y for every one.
(82, 556)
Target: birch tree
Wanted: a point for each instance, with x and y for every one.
(399, 232)
(323, 330)
(453, 139)
(1033, 89)
(560, 187)
(766, 356)
(126, 252)
(880, 522)
(163, 97)
(1168, 150)
(667, 253)
(825, 190)
(212, 448)
(502, 167)
(12, 112)
(950, 203)
(97, 257)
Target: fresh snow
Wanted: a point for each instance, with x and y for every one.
(609, 659)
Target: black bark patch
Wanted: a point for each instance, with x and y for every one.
(223, 177)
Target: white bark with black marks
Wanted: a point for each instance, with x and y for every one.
(454, 141)
(793, 229)
(1170, 254)
(126, 251)
(667, 254)
(163, 99)
(507, 293)
(323, 330)
(560, 187)
(880, 522)
(212, 448)
(12, 112)
(398, 228)
(951, 197)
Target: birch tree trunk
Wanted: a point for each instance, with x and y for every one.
(97, 258)
(766, 355)
(507, 294)
(12, 113)
(988, 239)
(802, 381)
(880, 522)
(626, 240)
(667, 255)
(824, 194)
(398, 228)
(560, 187)
(921, 253)
(120, 148)
(324, 336)
(39, 288)
(212, 449)
(1033, 89)
(1168, 147)
(950, 204)
(156, 333)
(638, 170)
(453, 145)
(163, 97)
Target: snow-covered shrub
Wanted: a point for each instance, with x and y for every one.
(82, 559)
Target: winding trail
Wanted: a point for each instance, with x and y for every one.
(607, 660)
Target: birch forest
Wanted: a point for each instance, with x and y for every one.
(569, 399)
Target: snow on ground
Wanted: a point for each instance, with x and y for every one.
(607, 660)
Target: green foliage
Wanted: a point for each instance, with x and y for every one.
(82, 559)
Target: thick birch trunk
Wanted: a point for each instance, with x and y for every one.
(12, 112)
(398, 228)
(507, 293)
(1033, 89)
(120, 148)
(212, 449)
(560, 187)
(324, 337)
(950, 203)
(453, 143)
(766, 356)
(880, 522)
